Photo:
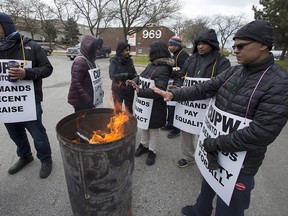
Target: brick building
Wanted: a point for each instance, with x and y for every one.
(139, 41)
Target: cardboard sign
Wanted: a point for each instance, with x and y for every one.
(17, 99)
(96, 80)
(189, 115)
(143, 106)
(216, 122)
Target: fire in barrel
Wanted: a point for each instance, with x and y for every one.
(97, 149)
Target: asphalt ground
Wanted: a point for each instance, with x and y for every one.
(160, 190)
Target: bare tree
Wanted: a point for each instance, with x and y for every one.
(12, 8)
(192, 28)
(29, 18)
(23, 15)
(134, 15)
(97, 13)
(177, 24)
(68, 14)
(47, 19)
(226, 27)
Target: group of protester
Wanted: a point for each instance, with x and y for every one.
(256, 90)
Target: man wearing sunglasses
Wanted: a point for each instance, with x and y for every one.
(256, 90)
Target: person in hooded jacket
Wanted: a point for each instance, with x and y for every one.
(255, 90)
(205, 62)
(81, 90)
(159, 70)
(121, 69)
(15, 46)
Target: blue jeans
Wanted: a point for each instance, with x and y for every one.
(17, 132)
(239, 202)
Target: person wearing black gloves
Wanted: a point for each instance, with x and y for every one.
(16, 47)
(256, 90)
(120, 70)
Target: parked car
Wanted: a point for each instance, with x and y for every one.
(72, 52)
(47, 50)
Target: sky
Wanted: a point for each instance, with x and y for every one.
(196, 8)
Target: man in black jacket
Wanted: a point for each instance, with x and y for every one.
(14, 46)
(205, 62)
(179, 56)
(257, 90)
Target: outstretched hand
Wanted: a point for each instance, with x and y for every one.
(133, 84)
(166, 95)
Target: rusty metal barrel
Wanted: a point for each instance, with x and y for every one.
(98, 176)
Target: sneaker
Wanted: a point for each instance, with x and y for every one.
(46, 169)
(172, 134)
(141, 150)
(167, 127)
(188, 211)
(20, 164)
(183, 163)
(151, 158)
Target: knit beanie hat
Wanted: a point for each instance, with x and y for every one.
(257, 30)
(175, 41)
(7, 24)
(121, 47)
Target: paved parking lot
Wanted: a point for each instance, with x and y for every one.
(159, 190)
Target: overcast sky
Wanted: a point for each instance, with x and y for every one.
(196, 8)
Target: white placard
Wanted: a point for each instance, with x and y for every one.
(216, 122)
(143, 106)
(95, 76)
(189, 115)
(17, 99)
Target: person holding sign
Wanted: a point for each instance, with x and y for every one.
(206, 62)
(85, 90)
(121, 69)
(253, 94)
(27, 77)
(179, 56)
(150, 108)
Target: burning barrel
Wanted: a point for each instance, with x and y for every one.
(98, 175)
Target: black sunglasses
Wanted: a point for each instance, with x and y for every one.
(241, 46)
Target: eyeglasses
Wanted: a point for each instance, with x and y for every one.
(241, 46)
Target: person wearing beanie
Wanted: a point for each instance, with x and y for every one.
(205, 62)
(121, 69)
(14, 46)
(83, 93)
(255, 92)
(179, 55)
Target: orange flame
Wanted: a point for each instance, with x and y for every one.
(115, 127)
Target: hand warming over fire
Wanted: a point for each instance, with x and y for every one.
(166, 95)
(133, 84)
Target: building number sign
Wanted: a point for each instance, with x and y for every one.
(152, 34)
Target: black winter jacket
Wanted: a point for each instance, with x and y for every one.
(160, 71)
(121, 70)
(180, 56)
(41, 66)
(203, 66)
(268, 109)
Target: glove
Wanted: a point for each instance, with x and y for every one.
(212, 158)
(210, 145)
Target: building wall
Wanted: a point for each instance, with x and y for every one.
(139, 41)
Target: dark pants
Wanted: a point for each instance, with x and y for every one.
(17, 132)
(239, 202)
(127, 98)
(170, 118)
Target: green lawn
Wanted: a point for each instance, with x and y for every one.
(283, 63)
(141, 60)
